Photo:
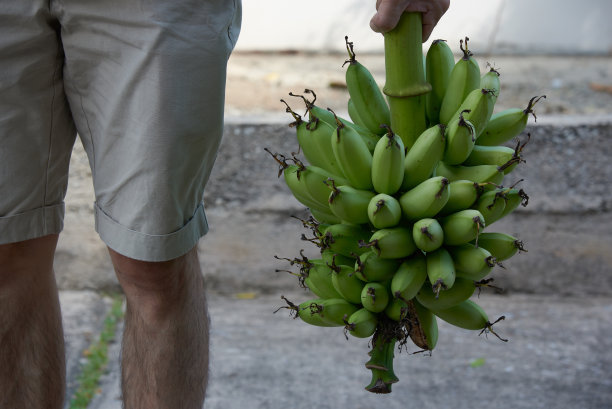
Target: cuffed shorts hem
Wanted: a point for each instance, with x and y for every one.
(32, 224)
(151, 247)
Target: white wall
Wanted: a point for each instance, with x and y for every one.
(553, 26)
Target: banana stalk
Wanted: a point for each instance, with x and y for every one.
(405, 84)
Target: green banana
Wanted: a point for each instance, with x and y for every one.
(425, 199)
(297, 185)
(439, 63)
(333, 310)
(397, 310)
(489, 155)
(316, 181)
(514, 198)
(330, 258)
(504, 157)
(319, 115)
(462, 195)
(368, 99)
(384, 211)
(302, 180)
(314, 141)
(308, 312)
(375, 297)
(462, 227)
(346, 283)
(461, 290)
(409, 278)
(322, 312)
(427, 234)
(370, 267)
(319, 279)
(460, 139)
(362, 323)
(424, 333)
(490, 80)
(324, 217)
(471, 262)
(478, 105)
(477, 174)
(344, 239)
(507, 124)
(388, 164)
(440, 270)
(491, 205)
(353, 155)
(502, 246)
(466, 315)
(464, 78)
(392, 243)
(318, 292)
(353, 114)
(349, 204)
(423, 156)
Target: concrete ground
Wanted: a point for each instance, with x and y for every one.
(557, 303)
(557, 356)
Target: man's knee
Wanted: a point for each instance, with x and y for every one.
(156, 288)
(150, 276)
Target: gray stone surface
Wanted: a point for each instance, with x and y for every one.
(557, 356)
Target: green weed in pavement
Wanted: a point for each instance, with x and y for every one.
(97, 358)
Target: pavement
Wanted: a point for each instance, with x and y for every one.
(557, 303)
(557, 356)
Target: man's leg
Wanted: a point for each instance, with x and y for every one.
(32, 368)
(165, 343)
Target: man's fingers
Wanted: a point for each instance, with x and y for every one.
(433, 15)
(389, 12)
(388, 15)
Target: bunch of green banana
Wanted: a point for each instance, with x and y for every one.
(403, 227)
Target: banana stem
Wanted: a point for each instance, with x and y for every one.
(381, 365)
(405, 78)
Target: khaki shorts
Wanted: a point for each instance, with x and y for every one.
(143, 84)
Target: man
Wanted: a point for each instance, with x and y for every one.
(143, 83)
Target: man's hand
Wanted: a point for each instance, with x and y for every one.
(389, 12)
